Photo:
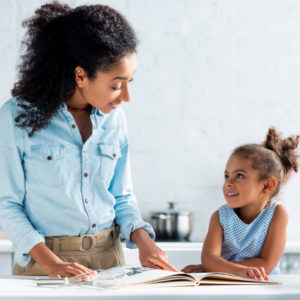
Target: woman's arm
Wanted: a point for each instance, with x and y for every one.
(13, 219)
(54, 266)
(211, 251)
(134, 229)
(274, 244)
(150, 255)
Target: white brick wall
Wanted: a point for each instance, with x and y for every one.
(212, 75)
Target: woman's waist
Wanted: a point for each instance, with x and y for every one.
(85, 242)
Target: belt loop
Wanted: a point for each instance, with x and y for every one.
(114, 231)
(56, 245)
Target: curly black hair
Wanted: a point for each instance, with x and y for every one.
(274, 157)
(58, 39)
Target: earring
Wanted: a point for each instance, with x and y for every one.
(78, 71)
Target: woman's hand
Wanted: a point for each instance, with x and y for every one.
(193, 269)
(70, 269)
(57, 268)
(253, 273)
(150, 255)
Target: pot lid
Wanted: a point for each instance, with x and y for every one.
(172, 210)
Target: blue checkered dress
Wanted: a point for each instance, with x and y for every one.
(245, 241)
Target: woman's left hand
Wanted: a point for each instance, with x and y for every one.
(151, 256)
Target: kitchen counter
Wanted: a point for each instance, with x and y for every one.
(26, 289)
(291, 246)
(180, 254)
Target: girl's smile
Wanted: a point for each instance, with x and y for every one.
(230, 195)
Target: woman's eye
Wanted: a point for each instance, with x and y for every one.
(239, 175)
(116, 88)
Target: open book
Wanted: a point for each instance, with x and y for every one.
(129, 276)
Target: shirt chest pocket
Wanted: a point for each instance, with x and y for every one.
(46, 164)
(109, 155)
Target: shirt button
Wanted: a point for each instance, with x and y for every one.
(85, 174)
(84, 150)
(94, 225)
(114, 155)
(86, 200)
(73, 126)
(49, 157)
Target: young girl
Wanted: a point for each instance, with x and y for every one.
(247, 235)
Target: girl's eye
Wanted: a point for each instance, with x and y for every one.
(239, 175)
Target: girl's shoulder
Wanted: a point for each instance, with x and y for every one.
(280, 212)
(225, 214)
(225, 210)
(275, 208)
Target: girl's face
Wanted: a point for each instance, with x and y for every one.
(242, 186)
(108, 89)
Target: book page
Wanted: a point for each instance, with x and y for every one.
(128, 275)
(225, 278)
(141, 276)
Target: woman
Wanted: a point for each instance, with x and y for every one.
(66, 187)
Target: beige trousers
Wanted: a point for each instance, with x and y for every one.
(102, 250)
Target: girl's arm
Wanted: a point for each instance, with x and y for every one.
(274, 244)
(211, 251)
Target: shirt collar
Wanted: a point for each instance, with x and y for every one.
(95, 111)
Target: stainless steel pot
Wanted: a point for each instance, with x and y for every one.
(172, 224)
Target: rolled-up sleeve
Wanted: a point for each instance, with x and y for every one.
(13, 219)
(126, 207)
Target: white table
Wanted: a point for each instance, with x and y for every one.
(22, 289)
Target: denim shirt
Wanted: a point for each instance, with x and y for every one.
(53, 184)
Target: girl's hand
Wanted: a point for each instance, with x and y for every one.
(193, 269)
(253, 273)
(150, 255)
(70, 269)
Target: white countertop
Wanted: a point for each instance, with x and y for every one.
(26, 289)
(291, 246)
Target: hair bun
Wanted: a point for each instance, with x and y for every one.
(47, 13)
(284, 148)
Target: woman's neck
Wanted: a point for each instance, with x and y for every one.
(85, 109)
(77, 102)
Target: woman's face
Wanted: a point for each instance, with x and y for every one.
(108, 89)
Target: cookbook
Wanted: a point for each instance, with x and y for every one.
(130, 276)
